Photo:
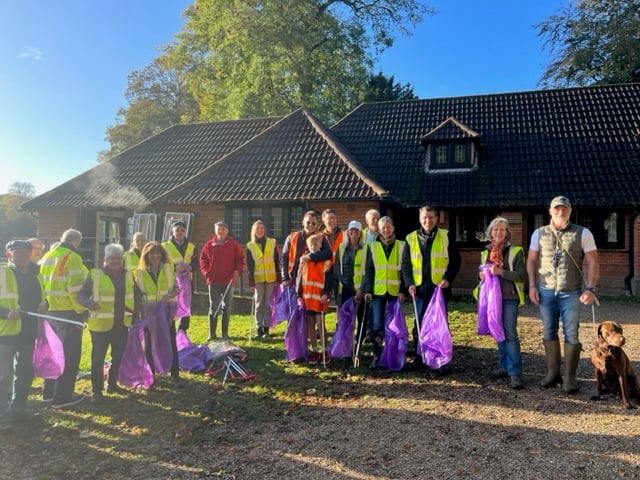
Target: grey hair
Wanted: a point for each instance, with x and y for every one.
(385, 219)
(71, 236)
(493, 223)
(113, 249)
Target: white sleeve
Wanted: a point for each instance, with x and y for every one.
(588, 242)
(535, 240)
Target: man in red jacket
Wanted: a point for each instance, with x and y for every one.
(221, 263)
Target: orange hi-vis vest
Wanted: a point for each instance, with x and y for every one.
(312, 284)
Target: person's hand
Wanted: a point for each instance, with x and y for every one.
(402, 297)
(14, 315)
(443, 283)
(357, 298)
(324, 298)
(587, 297)
(496, 270)
(412, 292)
(94, 306)
(304, 259)
(43, 307)
(286, 283)
(234, 277)
(534, 295)
(368, 297)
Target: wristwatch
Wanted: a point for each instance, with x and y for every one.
(590, 289)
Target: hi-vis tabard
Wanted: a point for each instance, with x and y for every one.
(264, 270)
(439, 256)
(154, 292)
(388, 271)
(359, 264)
(63, 273)
(313, 285)
(513, 251)
(104, 295)
(9, 300)
(174, 255)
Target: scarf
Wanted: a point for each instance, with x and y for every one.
(388, 241)
(495, 254)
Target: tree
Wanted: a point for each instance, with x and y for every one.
(593, 42)
(22, 189)
(157, 98)
(249, 59)
(383, 89)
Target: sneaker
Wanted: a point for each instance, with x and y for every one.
(326, 358)
(97, 398)
(516, 382)
(73, 400)
(313, 358)
(498, 373)
(416, 365)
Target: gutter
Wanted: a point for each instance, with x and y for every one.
(628, 278)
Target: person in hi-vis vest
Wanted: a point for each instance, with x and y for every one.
(431, 260)
(263, 265)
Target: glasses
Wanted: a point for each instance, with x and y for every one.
(557, 257)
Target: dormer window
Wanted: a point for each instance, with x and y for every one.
(451, 145)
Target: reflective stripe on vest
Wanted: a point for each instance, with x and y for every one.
(264, 265)
(313, 285)
(175, 256)
(104, 295)
(152, 292)
(387, 272)
(513, 251)
(439, 256)
(9, 300)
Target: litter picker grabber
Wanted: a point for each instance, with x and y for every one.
(252, 319)
(234, 370)
(356, 354)
(57, 319)
(324, 351)
(415, 312)
(222, 297)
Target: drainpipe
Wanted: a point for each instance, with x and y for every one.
(628, 278)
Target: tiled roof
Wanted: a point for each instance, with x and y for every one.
(137, 176)
(298, 158)
(450, 129)
(579, 142)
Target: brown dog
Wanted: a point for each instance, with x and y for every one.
(612, 367)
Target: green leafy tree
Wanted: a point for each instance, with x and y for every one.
(157, 98)
(15, 223)
(593, 42)
(248, 59)
(382, 89)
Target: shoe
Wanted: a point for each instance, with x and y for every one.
(326, 358)
(516, 382)
(265, 333)
(47, 400)
(416, 365)
(116, 389)
(97, 398)
(313, 358)
(374, 363)
(211, 338)
(73, 400)
(498, 373)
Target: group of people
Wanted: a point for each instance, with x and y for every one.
(369, 265)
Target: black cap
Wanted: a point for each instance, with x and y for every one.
(179, 223)
(15, 244)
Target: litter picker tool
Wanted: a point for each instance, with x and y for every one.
(222, 296)
(356, 355)
(57, 319)
(324, 351)
(252, 319)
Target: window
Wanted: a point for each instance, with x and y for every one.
(469, 228)
(170, 218)
(145, 223)
(449, 155)
(279, 220)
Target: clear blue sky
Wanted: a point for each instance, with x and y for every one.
(64, 67)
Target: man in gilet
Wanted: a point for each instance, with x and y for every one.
(431, 260)
(558, 285)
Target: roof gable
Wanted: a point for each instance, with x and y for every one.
(450, 129)
(297, 158)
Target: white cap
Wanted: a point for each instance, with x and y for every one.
(354, 224)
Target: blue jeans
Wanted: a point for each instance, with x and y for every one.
(556, 306)
(509, 350)
(16, 375)
(375, 326)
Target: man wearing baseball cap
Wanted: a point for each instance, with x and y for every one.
(20, 291)
(558, 285)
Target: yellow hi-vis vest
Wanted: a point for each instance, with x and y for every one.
(63, 275)
(104, 294)
(439, 256)
(154, 292)
(359, 263)
(388, 272)
(131, 260)
(513, 251)
(174, 255)
(264, 268)
(9, 299)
